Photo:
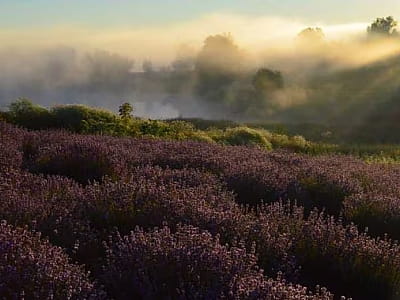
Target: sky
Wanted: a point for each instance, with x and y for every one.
(128, 13)
(140, 28)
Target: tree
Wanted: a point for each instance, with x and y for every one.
(220, 53)
(311, 37)
(219, 64)
(108, 72)
(125, 110)
(266, 81)
(383, 27)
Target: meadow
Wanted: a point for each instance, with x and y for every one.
(132, 208)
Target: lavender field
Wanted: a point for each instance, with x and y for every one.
(97, 217)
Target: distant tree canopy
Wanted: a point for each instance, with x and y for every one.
(225, 78)
(311, 37)
(383, 27)
(220, 53)
(108, 71)
(219, 63)
(265, 81)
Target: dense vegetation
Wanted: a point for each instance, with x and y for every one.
(95, 216)
(87, 120)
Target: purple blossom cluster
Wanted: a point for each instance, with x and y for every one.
(189, 264)
(31, 268)
(10, 146)
(236, 222)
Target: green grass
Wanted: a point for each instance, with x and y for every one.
(87, 120)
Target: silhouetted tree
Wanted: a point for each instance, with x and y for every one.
(311, 37)
(125, 110)
(219, 63)
(108, 71)
(266, 80)
(265, 83)
(383, 27)
(220, 53)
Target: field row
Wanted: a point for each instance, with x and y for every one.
(135, 211)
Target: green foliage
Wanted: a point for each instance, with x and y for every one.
(154, 128)
(125, 110)
(203, 124)
(4, 116)
(176, 130)
(243, 136)
(32, 116)
(200, 136)
(296, 143)
(87, 120)
(84, 119)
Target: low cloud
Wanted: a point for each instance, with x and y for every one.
(160, 43)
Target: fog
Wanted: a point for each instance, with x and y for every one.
(175, 71)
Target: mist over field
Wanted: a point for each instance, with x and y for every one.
(207, 68)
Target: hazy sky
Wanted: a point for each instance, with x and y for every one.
(140, 28)
(126, 13)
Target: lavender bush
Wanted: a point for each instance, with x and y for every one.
(293, 215)
(31, 268)
(189, 264)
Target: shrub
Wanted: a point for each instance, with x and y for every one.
(295, 143)
(81, 161)
(31, 268)
(24, 113)
(11, 155)
(200, 136)
(148, 182)
(188, 264)
(245, 136)
(83, 119)
(4, 116)
(176, 130)
(153, 196)
(346, 260)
